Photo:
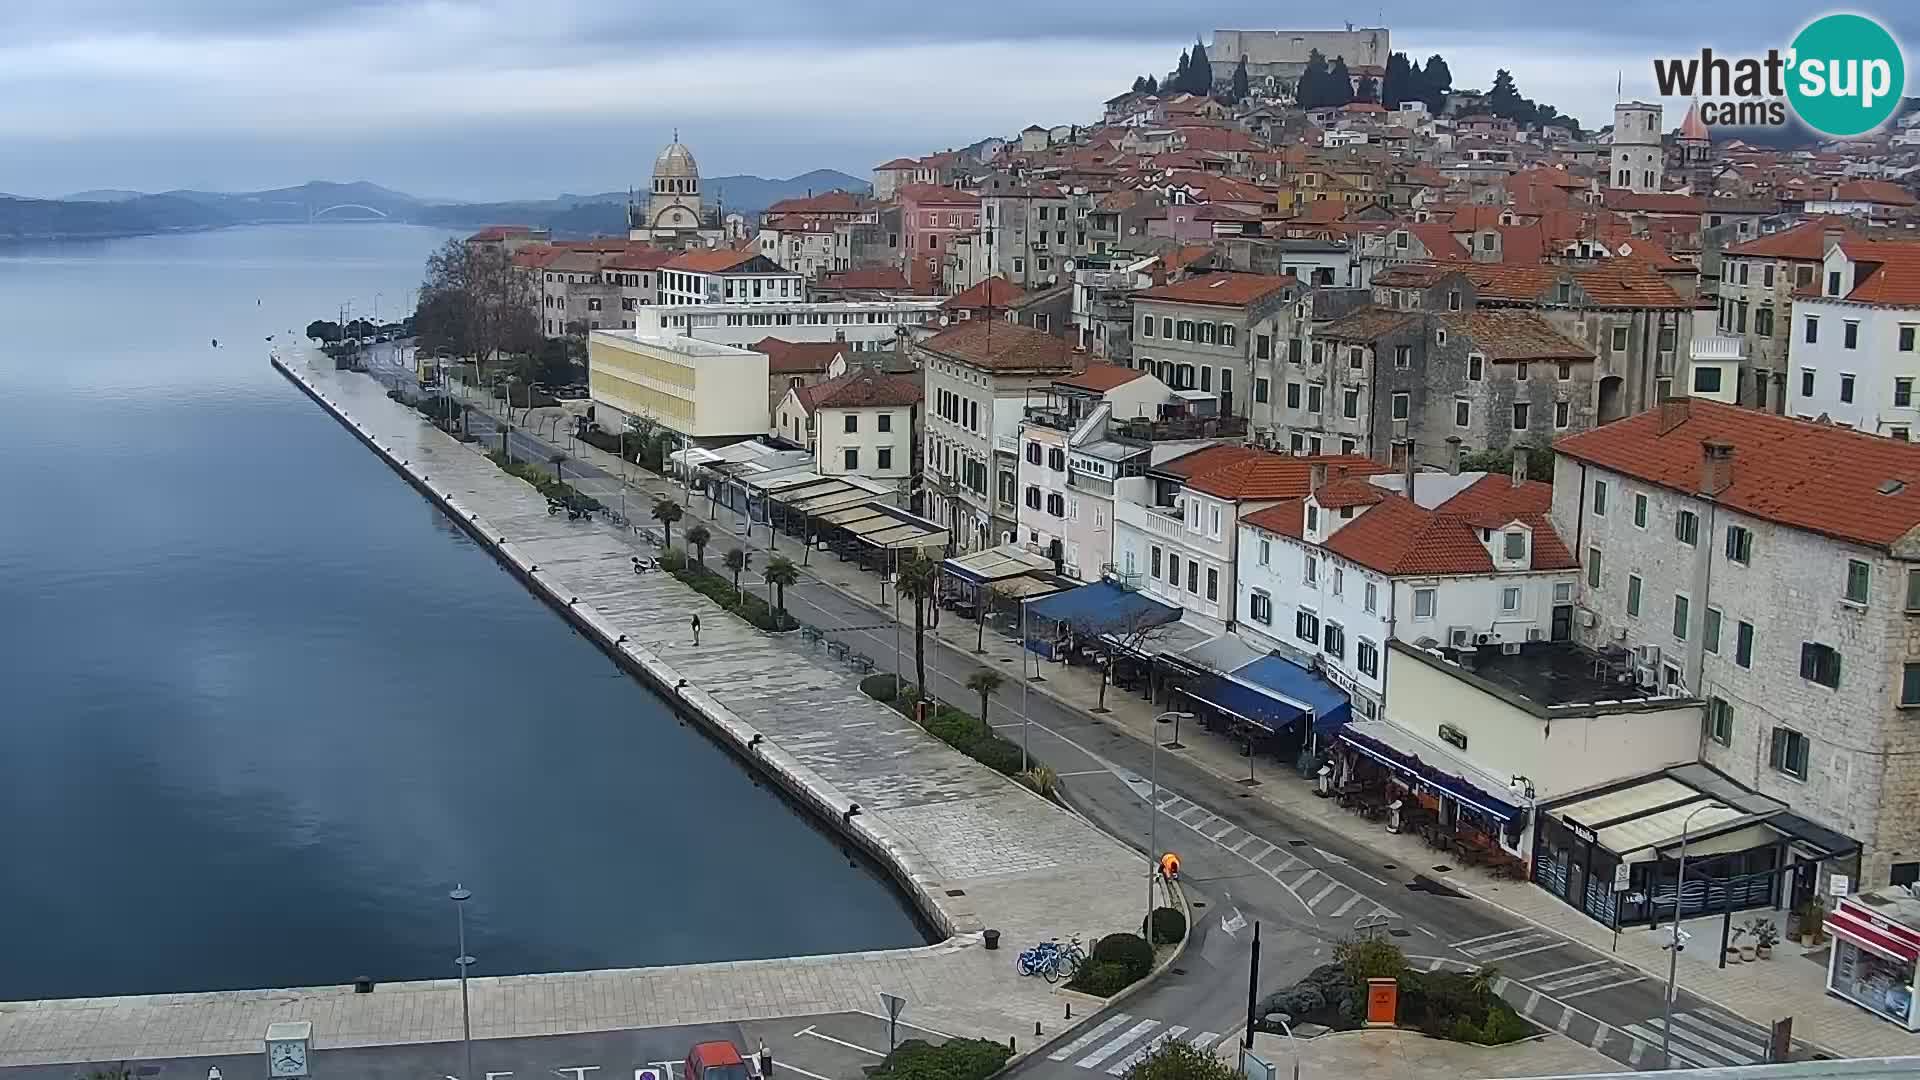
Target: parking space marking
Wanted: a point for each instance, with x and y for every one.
(838, 1042)
(905, 1024)
(1346, 907)
(1204, 1040)
(1323, 893)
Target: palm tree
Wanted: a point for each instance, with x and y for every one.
(737, 560)
(697, 538)
(984, 683)
(915, 578)
(780, 573)
(666, 512)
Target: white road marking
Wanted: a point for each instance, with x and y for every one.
(1256, 858)
(1125, 1064)
(1323, 894)
(1345, 907)
(1603, 986)
(1599, 1036)
(1566, 1019)
(904, 1024)
(1533, 1002)
(1216, 836)
(1181, 817)
(1287, 863)
(842, 1042)
(1490, 937)
(1204, 1040)
(1123, 1039)
(1424, 930)
(1083, 772)
(1528, 952)
(1681, 1050)
(1635, 1053)
(1735, 1043)
(1088, 1039)
(1489, 948)
(1248, 839)
(1296, 886)
(1549, 980)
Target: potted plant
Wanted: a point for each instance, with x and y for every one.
(1813, 916)
(1765, 936)
(1748, 939)
(1734, 952)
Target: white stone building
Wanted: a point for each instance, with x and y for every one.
(1771, 567)
(862, 324)
(862, 423)
(711, 394)
(1638, 159)
(1853, 354)
(728, 276)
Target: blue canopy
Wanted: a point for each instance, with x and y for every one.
(1273, 692)
(1103, 608)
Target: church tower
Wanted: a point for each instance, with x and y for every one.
(672, 210)
(1639, 162)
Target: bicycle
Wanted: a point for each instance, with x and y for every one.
(1052, 960)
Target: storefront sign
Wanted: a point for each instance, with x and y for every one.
(1578, 830)
(1841, 885)
(1453, 736)
(1622, 877)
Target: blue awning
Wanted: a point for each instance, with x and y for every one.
(1276, 674)
(1103, 608)
(1272, 693)
(1430, 764)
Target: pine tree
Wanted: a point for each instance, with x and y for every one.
(1339, 83)
(1139, 84)
(1199, 71)
(1369, 91)
(1240, 82)
(1395, 88)
(1504, 98)
(1438, 81)
(1179, 83)
(1310, 92)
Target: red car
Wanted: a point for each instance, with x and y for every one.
(716, 1061)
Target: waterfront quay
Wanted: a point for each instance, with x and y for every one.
(970, 849)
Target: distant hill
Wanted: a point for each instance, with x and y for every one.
(106, 212)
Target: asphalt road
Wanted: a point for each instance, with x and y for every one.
(1244, 861)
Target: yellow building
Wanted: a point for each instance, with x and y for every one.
(704, 390)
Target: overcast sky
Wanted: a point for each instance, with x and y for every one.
(486, 99)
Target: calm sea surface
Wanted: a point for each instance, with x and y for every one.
(261, 706)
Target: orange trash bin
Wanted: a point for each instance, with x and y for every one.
(1383, 1002)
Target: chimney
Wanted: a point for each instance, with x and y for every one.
(1453, 455)
(1674, 411)
(1316, 477)
(1519, 465)
(1406, 460)
(1830, 236)
(1716, 466)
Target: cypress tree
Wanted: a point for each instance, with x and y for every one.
(1240, 87)
(1199, 71)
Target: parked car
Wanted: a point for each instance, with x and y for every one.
(716, 1061)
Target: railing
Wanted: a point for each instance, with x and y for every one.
(1160, 521)
(1179, 427)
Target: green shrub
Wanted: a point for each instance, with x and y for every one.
(1166, 926)
(954, 728)
(998, 754)
(1504, 1026)
(546, 485)
(1044, 781)
(1365, 959)
(881, 687)
(1103, 978)
(673, 559)
(752, 608)
(955, 1059)
(1129, 949)
(1177, 1060)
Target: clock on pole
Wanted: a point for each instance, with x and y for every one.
(288, 1046)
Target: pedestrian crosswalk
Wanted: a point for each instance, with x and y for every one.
(1320, 893)
(1509, 945)
(1579, 980)
(1115, 1045)
(1702, 1038)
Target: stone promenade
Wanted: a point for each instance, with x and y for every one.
(972, 849)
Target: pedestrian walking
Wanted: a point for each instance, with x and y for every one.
(766, 1061)
(696, 631)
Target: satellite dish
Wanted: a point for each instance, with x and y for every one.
(1066, 265)
(943, 318)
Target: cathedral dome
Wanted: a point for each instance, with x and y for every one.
(676, 161)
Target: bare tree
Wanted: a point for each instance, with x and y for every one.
(1130, 629)
(476, 302)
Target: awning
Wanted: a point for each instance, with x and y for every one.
(1103, 608)
(1431, 764)
(1847, 922)
(1025, 587)
(1644, 819)
(1278, 675)
(995, 564)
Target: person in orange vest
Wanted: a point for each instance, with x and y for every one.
(1170, 866)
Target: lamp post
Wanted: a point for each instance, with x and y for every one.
(1282, 1019)
(460, 896)
(1673, 946)
(1153, 807)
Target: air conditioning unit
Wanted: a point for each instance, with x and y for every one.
(1646, 655)
(1460, 637)
(1510, 648)
(1649, 678)
(1486, 638)
(1589, 619)
(1536, 634)
(1619, 633)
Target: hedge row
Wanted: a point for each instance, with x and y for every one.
(547, 485)
(720, 590)
(1117, 962)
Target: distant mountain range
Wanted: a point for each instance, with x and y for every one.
(109, 212)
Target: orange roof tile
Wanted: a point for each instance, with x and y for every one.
(710, 262)
(1823, 479)
(994, 292)
(1891, 275)
(1806, 241)
(1100, 377)
(1507, 335)
(1267, 475)
(1003, 346)
(1224, 289)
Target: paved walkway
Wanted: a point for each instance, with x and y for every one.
(976, 849)
(1392, 1054)
(1789, 984)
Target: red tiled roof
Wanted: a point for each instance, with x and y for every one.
(1810, 476)
(1515, 335)
(876, 278)
(1227, 290)
(1881, 192)
(1101, 377)
(936, 195)
(1652, 202)
(1399, 537)
(1267, 475)
(861, 389)
(1003, 346)
(1891, 275)
(499, 232)
(639, 260)
(1194, 462)
(1368, 324)
(1617, 284)
(828, 202)
(1282, 519)
(898, 163)
(1806, 241)
(798, 357)
(1348, 491)
(994, 292)
(709, 262)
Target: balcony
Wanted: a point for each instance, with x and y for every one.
(1057, 419)
(1161, 521)
(1140, 430)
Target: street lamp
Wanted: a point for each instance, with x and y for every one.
(1282, 1019)
(1673, 946)
(1153, 806)
(460, 896)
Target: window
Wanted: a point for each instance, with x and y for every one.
(1720, 721)
(1710, 631)
(1633, 595)
(1510, 599)
(1913, 590)
(1313, 399)
(1520, 371)
(1173, 569)
(1516, 546)
(1312, 576)
(1266, 551)
(1789, 753)
(1619, 339)
(1562, 414)
(1453, 300)
(1802, 276)
(1402, 405)
(1846, 387)
(1033, 497)
(1260, 607)
(1903, 393)
(1260, 390)
(1763, 322)
(1806, 382)
(1462, 413)
(1906, 338)
(1402, 356)
(1593, 568)
(1686, 527)
(1033, 453)
(1262, 346)
(1813, 329)
(1056, 504)
(1682, 612)
(1166, 328)
(1213, 584)
(1339, 580)
(1820, 663)
(1372, 597)
(852, 423)
(1154, 563)
(1909, 685)
(1056, 459)
(1293, 395)
(1423, 603)
(1857, 577)
(1743, 644)
(1367, 655)
(1193, 576)
(853, 458)
(1306, 627)
(1706, 380)
(1476, 367)
(1599, 498)
(1335, 641)
(1833, 283)
(886, 457)
(1146, 326)
(1226, 334)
